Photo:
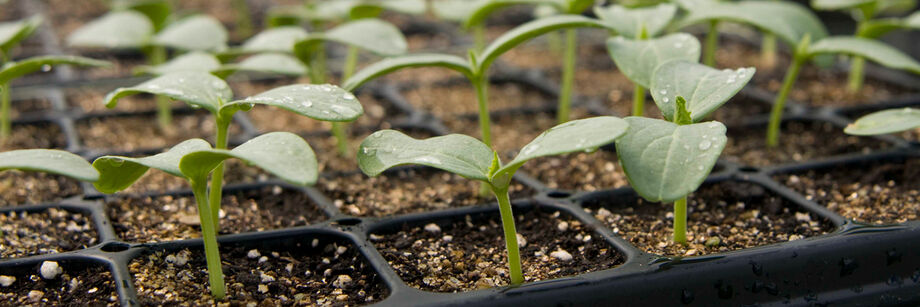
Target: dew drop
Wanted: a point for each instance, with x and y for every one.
(699, 167)
(705, 144)
(116, 162)
(663, 92)
(666, 100)
(377, 135)
(591, 150)
(46, 68)
(307, 104)
(217, 84)
(348, 96)
(678, 45)
(730, 80)
(369, 151)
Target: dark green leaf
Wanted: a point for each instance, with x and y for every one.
(158, 11)
(884, 122)
(528, 31)
(389, 65)
(637, 59)
(704, 88)
(282, 154)
(123, 29)
(13, 70)
(199, 89)
(11, 33)
(117, 173)
(322, 102)
(49, 161)
(484, 9)
(456, 153)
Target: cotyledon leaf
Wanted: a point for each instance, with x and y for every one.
(637, 59)
(275, 63)
(122, 29)
(705, 88)
(483, 9)
(872, 50)
(578, 135)
(118, 173)
(628, 22)
(13, 70)
(664, 161)
(197, 32)
(787, 20)
(371, 34)
(199, 89)
(11, 33)
(455, 10)
(389, 65)
(456, 153)
(838, 4)
(528, 31)
(884, 122)
(322, 102)
(282, 154)
(49, 161)
(280, 39)
(192, 61)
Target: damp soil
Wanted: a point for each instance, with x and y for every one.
(470, 254)
(332, 162)
(407, 191)
(458, 97)
(142, 132)
(158, 182)
(167, 218)
(44, 232)
(799, 141)
(78, 285)
(29, 107)
(721, 217)
(877, 192)
(318, 272)
(23, 188)
(35, 135)
(92, 100)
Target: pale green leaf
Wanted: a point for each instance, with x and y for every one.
(833, 5)
(11, 33)
(455, 10)
(199, 89)
(872, 50)
(192, 61)
(197, 32)
(665, 162)
(705, 88)
(913, 20)
(371, 34)
(637, 59)
(578, 135)
(122, 29)
(884, 122)
(411, 7)
(158, 11)
(280, 39)
(274, 63)
(389, 65)
(322, 102)
(629, 22)
(690, 5)
(282, 154)
(787, 20)
(456, 153)
(13, 70)
(528, 31)
(117, 173)
(49, 161)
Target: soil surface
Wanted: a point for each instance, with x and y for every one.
(876, 192)
(456, 98)
(470, 254)
(44, 232)
(721, 217)
(78, 285)
(92, 100)
(21, 188)
(139, 132)
(31, 106)
(799, 141)
(317, 273)
(166, 218)
(407, 191)
(35, 135)
(156, 181)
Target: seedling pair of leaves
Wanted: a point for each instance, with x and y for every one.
(472, 159)
(272, 152)
(11, 34)
(334, 11)
(148, 26)
(270, 63)
(870, 27)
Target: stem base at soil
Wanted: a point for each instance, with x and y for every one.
(680, 221)
(511, 244)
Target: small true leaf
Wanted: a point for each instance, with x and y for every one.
(528, 31)
(11, 33)
(118, 173)
(389, 65)
(884, 122)
(870, 49)
(665, 161)
(123, 29)
(370, 34)
(198, 89)
(13, 70)
(198, 32)
(275, 63)
(456, 153)
(282, 154)
(704, 88)
(280, 39)
(323, 102)
(578, 135)
(628, 22)
(637, 59)
(49, 161)
(192, 61)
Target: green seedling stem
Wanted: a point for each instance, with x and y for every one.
(792, 73)
(712, 42)
(217, 177)
(768, 51)
(510, 232)
(568, 76)
(156, 56)
(680, 220)
(209, 228)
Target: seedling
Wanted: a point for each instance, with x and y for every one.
(666, 160)
(50, 161)
(472, 159)
(11, 33)
(870, 27)
(272, 63)
(475, 67)
(133, 29)
(280, 153)
(885, 122)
